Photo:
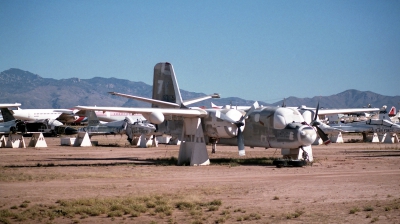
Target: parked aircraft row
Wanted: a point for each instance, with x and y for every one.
(292, 129)
(132, 128)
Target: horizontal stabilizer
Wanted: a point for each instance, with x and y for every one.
(147, 100)
(188, 102)
(166, 104)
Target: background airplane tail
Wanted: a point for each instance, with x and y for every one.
(7, 115)
(392, 112)
(93, 120)
(165, 85)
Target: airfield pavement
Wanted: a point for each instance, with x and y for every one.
(347, 183)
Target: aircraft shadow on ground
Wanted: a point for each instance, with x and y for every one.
(374, 153)
(172, 161)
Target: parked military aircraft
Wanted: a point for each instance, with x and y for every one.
(269, 126)
(370, 126)
(381, 123)
(13, 125)
(309, 113)
(132, 128)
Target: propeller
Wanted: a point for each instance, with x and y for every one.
(239, 124)
(320, 132)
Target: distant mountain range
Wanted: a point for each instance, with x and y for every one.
(33, 91)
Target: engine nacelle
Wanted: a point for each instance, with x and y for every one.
(285, 116)
(156, 117)
(54, 123)
(308, 116)
(215, 127)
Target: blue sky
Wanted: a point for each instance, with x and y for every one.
(256, 50)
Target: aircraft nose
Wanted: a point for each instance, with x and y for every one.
(70, 131)
(307, 135)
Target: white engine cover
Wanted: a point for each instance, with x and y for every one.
(216, 127)
(156, 117)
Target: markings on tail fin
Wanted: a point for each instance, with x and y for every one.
(392, 112)
(160, 83)
(165, 85)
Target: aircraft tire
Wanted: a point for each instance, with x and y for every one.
(279, 163)
(13, 129)
(297, 163)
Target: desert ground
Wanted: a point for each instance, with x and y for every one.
(118, 183)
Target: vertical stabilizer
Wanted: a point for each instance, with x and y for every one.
(392, 112)
(7, 115)
(93, 120)
(165, 85)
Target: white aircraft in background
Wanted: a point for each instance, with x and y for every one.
(108, 116)
(57, 116)
(46, 126)
(10, 124)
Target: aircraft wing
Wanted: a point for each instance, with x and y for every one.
(65, 117)
(346, 111)
(188, 113)
(354, 127)
(66, 111)
(68, 115)
(6, 105)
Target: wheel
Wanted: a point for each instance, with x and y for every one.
(13, 129)
(297, 163)
(279, 163)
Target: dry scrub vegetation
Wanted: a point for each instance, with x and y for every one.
(350, 182)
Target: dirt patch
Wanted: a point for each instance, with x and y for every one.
(350, 182)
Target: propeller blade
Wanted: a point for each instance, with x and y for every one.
(252, 108)
(320, 132)
(240, 143)
(323, 136)
(240, 123)
(223, 116)
(316, 112)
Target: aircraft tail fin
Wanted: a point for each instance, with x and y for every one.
(93, 120)
(392, 112)
(166, 92)
(7, 114)
(165, 85)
